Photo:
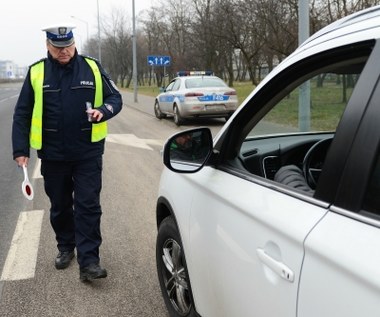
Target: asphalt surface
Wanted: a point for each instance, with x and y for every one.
(143, 103)
(132, 167)
(131, 173)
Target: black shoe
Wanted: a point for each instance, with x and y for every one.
(93, 271)
(63, 259)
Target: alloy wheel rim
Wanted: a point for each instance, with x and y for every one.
(175, 278)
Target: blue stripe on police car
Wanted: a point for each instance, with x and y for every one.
(213, 97)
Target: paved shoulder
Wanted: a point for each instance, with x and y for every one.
(144, 103)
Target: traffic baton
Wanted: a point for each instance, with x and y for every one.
(26, 186)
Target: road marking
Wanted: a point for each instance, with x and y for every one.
(8, 98)
(132, 140)
(22, 256)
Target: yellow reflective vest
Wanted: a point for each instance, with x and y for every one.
(99, 130)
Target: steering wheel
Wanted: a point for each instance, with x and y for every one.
(313, 161)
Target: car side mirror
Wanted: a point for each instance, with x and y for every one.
(162, 89)
(188, 151)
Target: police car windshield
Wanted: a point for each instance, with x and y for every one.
(204, 82)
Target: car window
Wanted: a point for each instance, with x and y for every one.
(204, 82)
(176, 85)
(291, 133)
(329, 93)
(170, 86)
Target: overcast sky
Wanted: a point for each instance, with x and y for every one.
(21, 21)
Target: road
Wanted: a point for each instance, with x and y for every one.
(132, 167)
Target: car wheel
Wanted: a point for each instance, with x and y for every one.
(172, 271)
(177, 116)
(157, 111)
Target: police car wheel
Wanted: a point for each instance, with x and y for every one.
(157, 111)
(177, 116)
(172, 271)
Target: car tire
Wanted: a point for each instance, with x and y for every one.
(178, 120)
(172, 271)
(157, 111)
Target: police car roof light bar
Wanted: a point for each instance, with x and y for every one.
(195, 73)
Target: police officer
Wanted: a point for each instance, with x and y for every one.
(61, 112)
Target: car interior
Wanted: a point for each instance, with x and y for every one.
(290, 149)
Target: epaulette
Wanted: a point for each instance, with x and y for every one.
(89, 57)
(41, 60)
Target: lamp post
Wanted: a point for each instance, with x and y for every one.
(304, 90)
(134, 53)
(99, 44)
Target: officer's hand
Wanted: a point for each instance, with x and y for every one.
(96, 115)
(22, 160)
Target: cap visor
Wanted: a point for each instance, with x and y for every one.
(62, 43)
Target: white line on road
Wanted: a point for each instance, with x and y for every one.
(22, 256)
(8, 98)
(132, 140)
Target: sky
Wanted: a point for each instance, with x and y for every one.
(21, 21)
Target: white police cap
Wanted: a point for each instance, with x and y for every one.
(60, 35)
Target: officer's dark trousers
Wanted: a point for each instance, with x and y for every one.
(74, 191)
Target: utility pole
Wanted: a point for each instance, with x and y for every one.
(99, 43)
(134, 53)
(304, 90)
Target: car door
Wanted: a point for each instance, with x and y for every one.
(166, 99)
(340, 275)
(249, 244)
(247, 233)
(171, 95)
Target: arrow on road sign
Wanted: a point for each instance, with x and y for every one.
(154, 60)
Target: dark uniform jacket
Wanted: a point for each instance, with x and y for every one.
(66, 132)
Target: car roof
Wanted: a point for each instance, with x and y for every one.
(356, 22)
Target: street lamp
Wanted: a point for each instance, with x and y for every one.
(304, 90)
(134, 53)
(99, 44)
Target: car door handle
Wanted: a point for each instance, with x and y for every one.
(278, 267)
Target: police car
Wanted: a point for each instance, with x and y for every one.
(195, 94)
(279, 214)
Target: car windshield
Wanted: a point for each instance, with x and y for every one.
(204, 82)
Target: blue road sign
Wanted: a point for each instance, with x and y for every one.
(154, 60)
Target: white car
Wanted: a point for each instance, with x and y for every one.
(279, 215)
(196, 94)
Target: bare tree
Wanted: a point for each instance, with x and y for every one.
(116, 55)
(231, 37)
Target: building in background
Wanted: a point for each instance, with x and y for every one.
(10, 70)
